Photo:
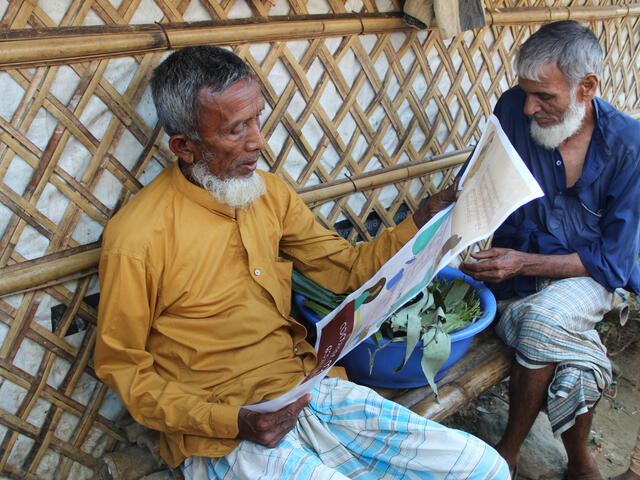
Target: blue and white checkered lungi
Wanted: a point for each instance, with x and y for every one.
(556, 325)
(349, 431)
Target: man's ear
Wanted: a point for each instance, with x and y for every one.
(588, 87)
(185, 148)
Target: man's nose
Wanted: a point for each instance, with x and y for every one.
(255, 140)
(531, 106)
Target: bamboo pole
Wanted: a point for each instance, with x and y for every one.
(457, 394)
(50, 46)
(317, 194)
(510, 16)
(81, 261)
(49, 270)
(482, 350)
(60, 45)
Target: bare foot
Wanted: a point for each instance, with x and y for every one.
(628, 475)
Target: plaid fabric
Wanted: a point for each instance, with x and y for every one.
(557, 325)
(349, 431)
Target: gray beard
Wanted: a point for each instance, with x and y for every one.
(235, 192)
(551, 137)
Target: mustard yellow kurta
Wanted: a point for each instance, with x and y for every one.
(194, 318)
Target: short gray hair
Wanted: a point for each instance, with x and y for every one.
(569, 45)
(175, 84)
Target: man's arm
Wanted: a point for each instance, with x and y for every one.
(326, 258)
(127, 307)
(498, 264)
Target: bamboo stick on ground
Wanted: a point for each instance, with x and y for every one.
(480, 353)
(457, 394)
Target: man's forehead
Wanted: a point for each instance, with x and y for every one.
(238, 99)
(548, 76)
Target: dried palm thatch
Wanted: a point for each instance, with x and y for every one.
(78, 137)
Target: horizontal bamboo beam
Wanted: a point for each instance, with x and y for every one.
(49, 270)
(50, 46)
(81, 261)
(510, 16)
(324, 192)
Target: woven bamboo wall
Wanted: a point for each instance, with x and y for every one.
(77, 139)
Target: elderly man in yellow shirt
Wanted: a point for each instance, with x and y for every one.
(194, 321)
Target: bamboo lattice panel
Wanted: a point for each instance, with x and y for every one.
(77, 140)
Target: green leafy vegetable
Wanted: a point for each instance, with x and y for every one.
(438, 345)
(442, 308)
(315, 293)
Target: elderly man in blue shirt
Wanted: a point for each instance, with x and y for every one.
(564, 255)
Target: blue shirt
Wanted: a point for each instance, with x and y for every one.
(598, 217)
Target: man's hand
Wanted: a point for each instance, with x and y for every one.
(495, 264)
(435, 203)
(498, 264)
(269, 428)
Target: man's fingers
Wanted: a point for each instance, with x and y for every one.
(269, 428)
(279, 423)
(294, 408)
(489, 253)
(287, 416)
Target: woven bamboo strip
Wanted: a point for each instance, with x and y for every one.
(23, 48)
(9, 372)
(65, 265)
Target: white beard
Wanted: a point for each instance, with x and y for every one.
(235, 192)
(551, 137)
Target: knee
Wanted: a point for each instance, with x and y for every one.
(500, 470)
(540, 326)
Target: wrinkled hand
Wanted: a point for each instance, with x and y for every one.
(435, 203)
(269, 428)
(494, 265)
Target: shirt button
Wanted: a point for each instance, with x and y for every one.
(295, 349)
(257, 272)
(558, 163)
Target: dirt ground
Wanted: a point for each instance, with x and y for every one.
(617, 418)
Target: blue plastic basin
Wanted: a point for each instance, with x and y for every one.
(356, 362)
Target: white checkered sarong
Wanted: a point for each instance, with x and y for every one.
(349, 431)
(556, 325)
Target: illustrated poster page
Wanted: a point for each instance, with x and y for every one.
(495, 183)
(362, 312)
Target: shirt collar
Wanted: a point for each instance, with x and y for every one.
(598, 151)
(198, 194)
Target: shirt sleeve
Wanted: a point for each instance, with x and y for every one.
(125, 316)
(328, 259)
(612, 260)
